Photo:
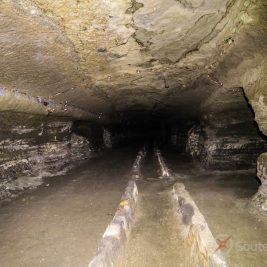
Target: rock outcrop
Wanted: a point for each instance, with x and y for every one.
(260, 198)
(226, 137)
(36, 147)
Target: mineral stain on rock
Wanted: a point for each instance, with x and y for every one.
(134, 7)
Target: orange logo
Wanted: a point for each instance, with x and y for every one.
(222, 244)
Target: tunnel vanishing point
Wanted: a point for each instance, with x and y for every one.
(101, 99)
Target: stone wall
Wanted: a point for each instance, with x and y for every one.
(92, 131)
(36, 147)
(195, 142)
(260, 198)
(227, 137)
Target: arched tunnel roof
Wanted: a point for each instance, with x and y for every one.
(90, 59)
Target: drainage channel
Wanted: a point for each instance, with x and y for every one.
(165, 227)
(155, 239)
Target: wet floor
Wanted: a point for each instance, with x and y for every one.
(60, 225)
(224, 199)
(155, 239)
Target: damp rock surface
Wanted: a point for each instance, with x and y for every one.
(226, 137)
(155, 239)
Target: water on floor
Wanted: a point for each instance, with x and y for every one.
(224, 199)
(156, 238)
(60, 225)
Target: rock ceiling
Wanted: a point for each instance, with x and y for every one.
(102, 56)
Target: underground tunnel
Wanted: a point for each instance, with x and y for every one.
(133, 133)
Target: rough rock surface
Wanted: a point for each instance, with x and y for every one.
(260, 199)
(36, 147)
(100, 55)
(232, 140)
(227, 137)
(179, 136)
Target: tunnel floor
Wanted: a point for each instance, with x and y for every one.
(61, 224)
(224, 199)
(156, 236)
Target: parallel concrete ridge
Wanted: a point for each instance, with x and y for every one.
(197, 231)
(136, 169)
(165, 173)
(113, 240)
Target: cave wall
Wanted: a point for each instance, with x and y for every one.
(260, 198)
(245, 66)
(87, 60)
(92, 131)
(97, 57)
(179, 135)
(36, 147)
(227, 137)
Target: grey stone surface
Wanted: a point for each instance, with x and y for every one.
(92, 60)
(259, 200)
(226, 137)
(136, 169)
(33, 147)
